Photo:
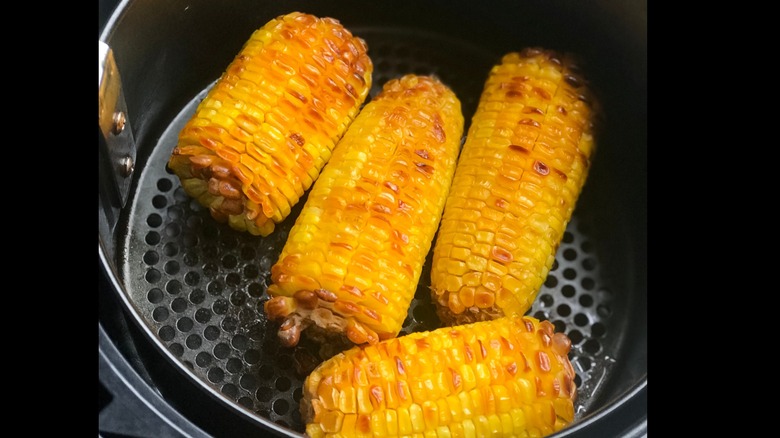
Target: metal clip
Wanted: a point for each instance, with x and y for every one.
(116, 142)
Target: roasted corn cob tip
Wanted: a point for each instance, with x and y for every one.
(520, 172)
(510, 377)
(269, 124)
(353, 258)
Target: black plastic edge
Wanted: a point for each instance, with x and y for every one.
(132, 407)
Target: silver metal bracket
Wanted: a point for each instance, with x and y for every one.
(116, 144)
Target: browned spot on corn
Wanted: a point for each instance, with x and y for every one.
(354, 290)
(306, 299)
(422, 153)
(518, 148)
(298, 138)
(425, 169)
(501, 255)
(277, 307)
(482, 349)
(229, 190)
(346, 246)
(532, 110)
(289, 333)
(568, 383)
(543, 361)
(530, 122)
(560, 175)
(541, 168)
(511, 368)
(326, 295)
(304, 38)
(379, 208)
(561, 344)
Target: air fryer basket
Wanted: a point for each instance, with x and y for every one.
(194, 288)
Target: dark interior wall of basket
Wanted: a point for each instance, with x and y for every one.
(168, 57)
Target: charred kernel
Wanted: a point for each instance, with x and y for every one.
(298, 138)
(202, 160)
(543, 361)
(530, 122)
(468, 353)
(351, 90)
(482, 350)
(289, 334)
(541, 168)
(526, 365)
(568, 383)
(298, 96)
(517, 148)
(306, 299)
(532, 110)
(546, 339)
(277, 307)
(326, 295)
(512, 368)
(422, 344)
(379, 208)
(560, 174)
(547, 327)
(425, 169)
(372, 314)
(220, 170)
(540, 392)
(556, 387)
(391, 186)
(352, 290)
(561, 344)
(541, 92)
(529, 326)
(562, 110)
(422, 153)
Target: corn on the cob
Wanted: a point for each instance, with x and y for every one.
(520, 172)
(269, 124)
(353, 259)
(507, 377)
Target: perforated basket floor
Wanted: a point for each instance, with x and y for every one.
(199, 286)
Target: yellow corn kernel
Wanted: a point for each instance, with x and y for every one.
(520, 172)
(266, 128)
(507, 400)
(377, 204)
